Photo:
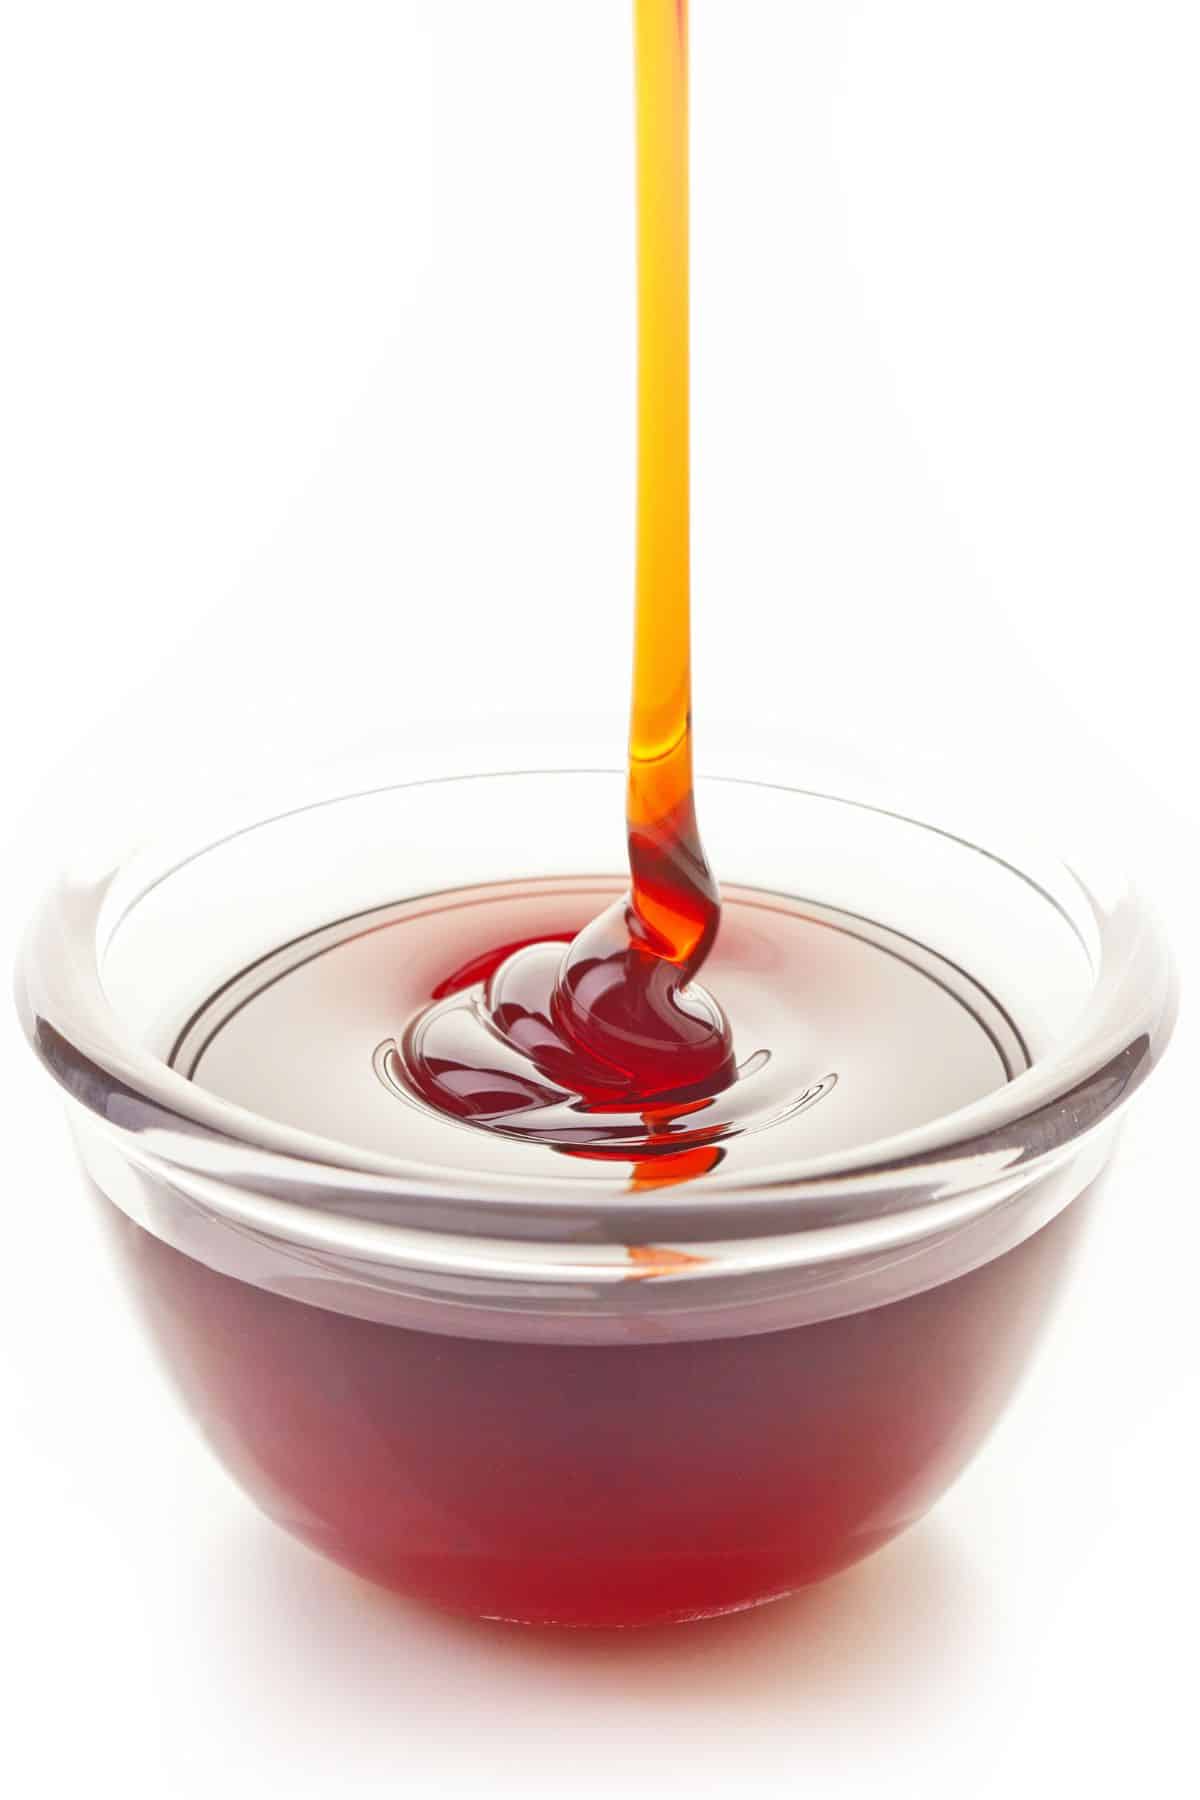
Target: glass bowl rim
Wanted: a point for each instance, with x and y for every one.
(979, 1155)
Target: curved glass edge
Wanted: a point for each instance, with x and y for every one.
(1015, 1131)
(1109, 1055)
(608, 1284)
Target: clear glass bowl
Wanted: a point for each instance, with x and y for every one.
(534, 1392)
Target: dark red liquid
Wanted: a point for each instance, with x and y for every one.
(621, 1484)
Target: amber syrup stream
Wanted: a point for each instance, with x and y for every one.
(614, 1021)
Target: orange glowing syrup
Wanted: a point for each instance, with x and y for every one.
(674, 899)
(613, 1023)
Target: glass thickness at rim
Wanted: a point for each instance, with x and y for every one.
(1074, 1089)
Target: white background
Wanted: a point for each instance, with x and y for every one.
(316, 376)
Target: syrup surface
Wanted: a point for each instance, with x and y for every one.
(846, 1031)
